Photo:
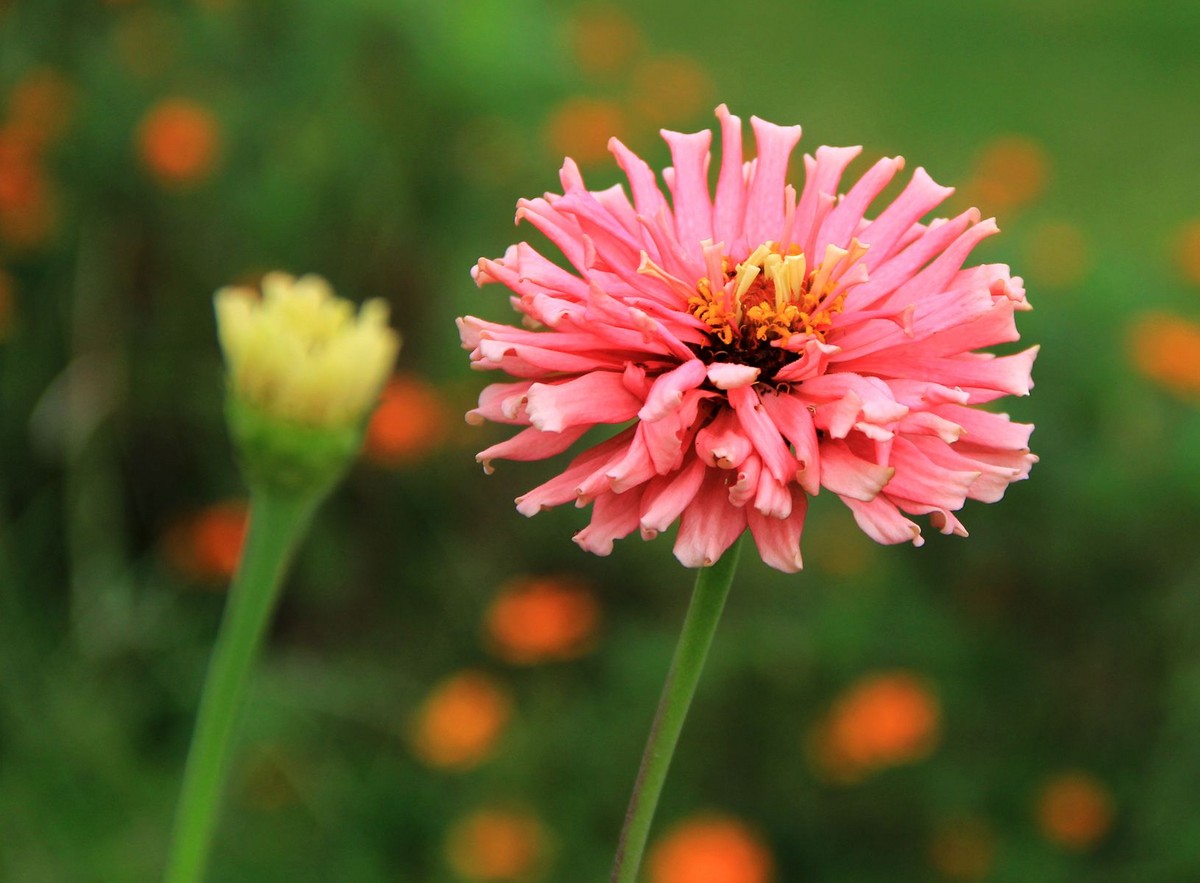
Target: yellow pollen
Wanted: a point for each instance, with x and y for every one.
(774, 294)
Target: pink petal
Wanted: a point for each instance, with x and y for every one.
(636, 467)
(920, 196)
(666, 395)
(821, 177)
(668, 495)
(559, 229)
(647, 198)
(764, 202)
(794, 420)
(597, 397)
(756, 423)
(774, 498)
(689, 190)
(987, 428)
(848, 475)
(881, 521)
(1002, 374)
(730, 202)
(613, 516)
(745, 485)
(847, 217)
(563, 487)
(709, 524)
(722, 443)
(888, 275)
(778, 539)
(669, 439)
(921, 479)
(530, 444)
(727, 375)
(501, 403)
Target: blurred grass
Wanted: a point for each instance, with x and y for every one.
(384, 145)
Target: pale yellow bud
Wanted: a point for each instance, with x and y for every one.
(301, 354)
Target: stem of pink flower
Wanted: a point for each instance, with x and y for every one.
(277, 522)
(699, 626)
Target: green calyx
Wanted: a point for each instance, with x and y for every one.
(285, 457)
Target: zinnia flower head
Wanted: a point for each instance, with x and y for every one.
(304, 370)
(300, 353)
(752, 347)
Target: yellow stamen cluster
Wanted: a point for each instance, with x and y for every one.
(773, 295)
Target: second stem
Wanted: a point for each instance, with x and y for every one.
(277, 523)
(699, 626)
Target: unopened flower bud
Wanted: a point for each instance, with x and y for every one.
(304, 370)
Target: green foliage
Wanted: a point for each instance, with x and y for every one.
(383, 145)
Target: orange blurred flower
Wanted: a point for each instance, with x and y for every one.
(26, 208)
(497, 844)
(884, 720)
(542, 619)
(710, 849)
(41, 104)
(603, 39)
(178, 141)
(580, 128)
(1057, 255)
(1166, 349)
(460, 721)
(207, 545)
(671, 89)
(1075, 810)
(8, 302)
(410, 421)
(963, 849)
(1187, 250)
(1010, 172)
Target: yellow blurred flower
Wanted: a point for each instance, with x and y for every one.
(301, 354)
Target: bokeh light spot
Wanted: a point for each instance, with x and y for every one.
(542, 619)
(459, 723)
(710, 850)
(497, 845)
(1075, 810)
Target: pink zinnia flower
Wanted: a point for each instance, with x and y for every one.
(755, 347)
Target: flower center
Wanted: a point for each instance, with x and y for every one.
(754, 307)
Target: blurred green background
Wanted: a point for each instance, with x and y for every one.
(1018, 706)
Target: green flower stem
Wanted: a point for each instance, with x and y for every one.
(277, 523)
(708, 600)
